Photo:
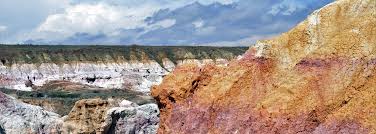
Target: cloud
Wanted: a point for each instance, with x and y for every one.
(288, 7)
(101, 17)
(198, 23)
(242, 42)
(162, 24)
(21, 16)
(3, 28)
(153, 22)
(202, 24)
(223, 2)
(85, 20)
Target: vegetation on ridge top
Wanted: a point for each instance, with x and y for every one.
(10, 54)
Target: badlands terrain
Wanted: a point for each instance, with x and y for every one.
(90, 89)
(317, 78)
(132, 67)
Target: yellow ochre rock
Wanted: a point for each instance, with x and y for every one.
(317, 78)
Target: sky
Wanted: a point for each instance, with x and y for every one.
(149, 22)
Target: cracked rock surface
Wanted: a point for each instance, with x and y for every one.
(317, 78)
(104, 117)
(20, 118)
(111, 67)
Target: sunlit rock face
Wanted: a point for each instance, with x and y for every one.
(87, 116)
(20, 118)
(317, 78)
(133, 120)
(25, 67)
(103, 116)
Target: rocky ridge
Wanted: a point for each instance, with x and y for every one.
(317, 78)
(133, 67)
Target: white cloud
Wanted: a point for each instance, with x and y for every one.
(286, 7)
(124, 21)
(219, 1)
(159, 25)
(105, 16)
(242, 42)
(201, 29)
(102, 17)
(3, 28)
(94, 18)
(164, 23)
(198, 23)
(205, 30)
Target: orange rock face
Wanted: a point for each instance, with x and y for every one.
(317, 78)
(87, 116)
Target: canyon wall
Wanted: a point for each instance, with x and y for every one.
(317, 78)
(130, 67)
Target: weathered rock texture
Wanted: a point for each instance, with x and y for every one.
(101, 116)
(20, 118)
(87, 116)
(317, 78)
(133, 120)
(131, 67)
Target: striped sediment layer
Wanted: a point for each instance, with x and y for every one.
(131, 67)
(317, 78)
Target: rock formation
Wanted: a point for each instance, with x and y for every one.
(20, 118)
(87, 116)
(142, 119)
(102, 116)
(133, 67)
(317, 78)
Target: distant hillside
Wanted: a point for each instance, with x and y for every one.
(10, 54)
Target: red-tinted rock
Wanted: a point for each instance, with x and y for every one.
(317, 78)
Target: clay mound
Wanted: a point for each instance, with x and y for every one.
(317, 78)
(61, 85)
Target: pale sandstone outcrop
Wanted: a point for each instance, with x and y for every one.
(20, 118)
(142, 119)
(87, 116)
(135, 75)
(126, 103)
(133, 67)
(317, 78)
(101, 116)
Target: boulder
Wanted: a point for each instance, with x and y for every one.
(87, 116)
(20, 118)
(142, 119)
(126, 103)
(100, 116)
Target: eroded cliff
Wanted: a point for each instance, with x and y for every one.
(317, 78)
(130, 67)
